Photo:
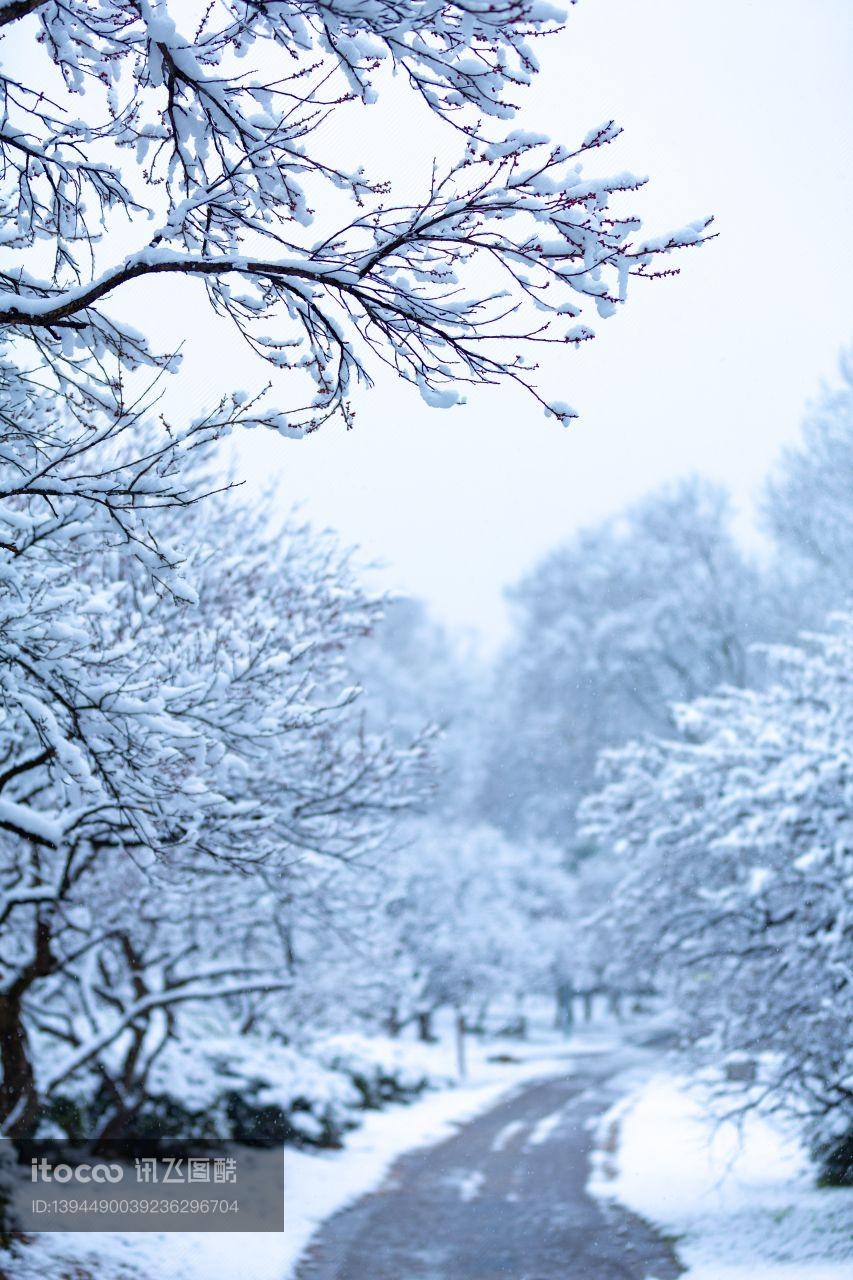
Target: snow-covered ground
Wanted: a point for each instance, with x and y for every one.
(740, 1201)
(317, 1184)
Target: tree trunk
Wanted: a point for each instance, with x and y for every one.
(424, 1021)
(19, 1101)
(18, 1097)
(114, 1125)
(478, 1026)
(564, 1013)
(460, 1046)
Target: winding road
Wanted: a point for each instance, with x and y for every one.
(503, 1199)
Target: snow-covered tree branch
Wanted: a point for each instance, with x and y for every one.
(325, 272)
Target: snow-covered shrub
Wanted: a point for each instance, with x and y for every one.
(834, 1154)
(255, 1091)
(265, 1092)
(381, 1069)
(244, 1088)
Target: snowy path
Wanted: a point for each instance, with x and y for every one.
(504, 1199)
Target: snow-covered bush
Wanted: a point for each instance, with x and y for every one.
(255, 1090)
(381, 1068)
(260, 1091)
(241, 1087)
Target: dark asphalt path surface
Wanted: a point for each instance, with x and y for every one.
(503, 1199)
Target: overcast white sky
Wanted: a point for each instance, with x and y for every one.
(740, 108)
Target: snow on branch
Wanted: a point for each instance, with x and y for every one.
(229, 185)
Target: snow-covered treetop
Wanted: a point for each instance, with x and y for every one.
(456, 53)
(657, 604)
(143, 140)
(807, 501)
